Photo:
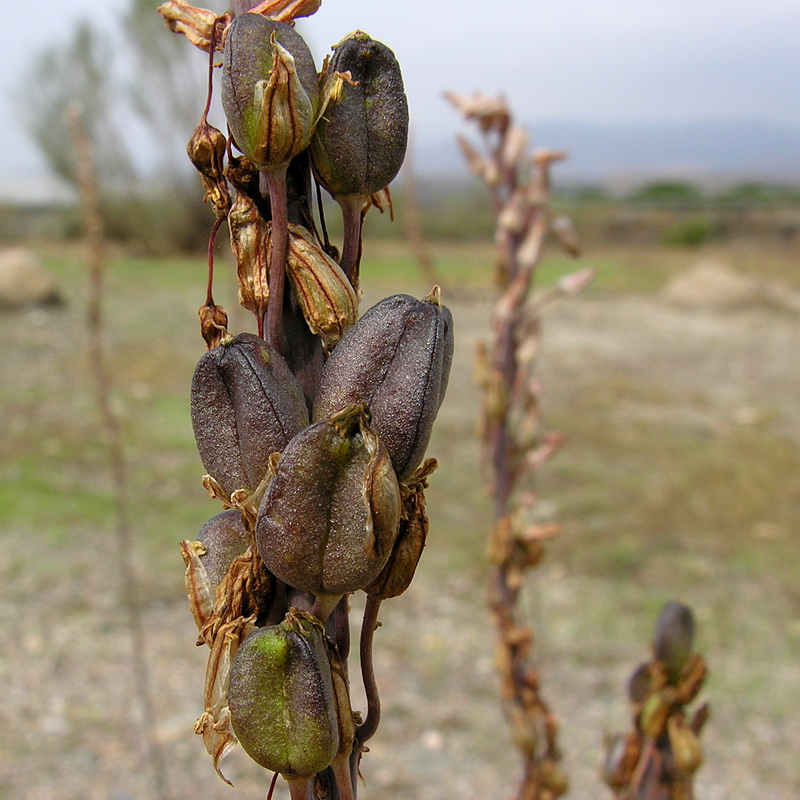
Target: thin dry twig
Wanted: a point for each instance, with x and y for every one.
(131, 599)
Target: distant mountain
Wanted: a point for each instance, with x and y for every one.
(702, 151)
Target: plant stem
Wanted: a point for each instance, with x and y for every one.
(352, 218)
(324, 605)
(131, 595)
(369, 625)
(300, 788)
(279, 250)
(212, 240)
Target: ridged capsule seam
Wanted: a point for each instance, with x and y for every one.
(275, 412)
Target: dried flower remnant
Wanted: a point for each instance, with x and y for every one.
(315, 509)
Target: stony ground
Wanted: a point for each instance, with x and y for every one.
(629, 365)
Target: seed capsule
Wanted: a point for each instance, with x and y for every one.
(674, 636)
(219, 542)
(269, 90)
(396, 359)
(224, 537)
(246, 405)
(330, 515)
(640, 683)
(282, 703)
(360, 142)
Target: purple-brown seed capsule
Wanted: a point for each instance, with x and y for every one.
(246, 405)
(329, 517)
(396, 359)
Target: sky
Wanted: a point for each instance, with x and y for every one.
(614, 62)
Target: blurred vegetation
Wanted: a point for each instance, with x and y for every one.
(750, 214)
(138, 112)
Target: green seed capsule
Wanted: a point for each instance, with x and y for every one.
(246, 405)
(396, 359)
(269, 90)
(282, 702)
(360, 142)
(330, 515)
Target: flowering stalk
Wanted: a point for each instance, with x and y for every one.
(314, 431)
(518, 183)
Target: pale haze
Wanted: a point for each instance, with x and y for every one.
(606, 63)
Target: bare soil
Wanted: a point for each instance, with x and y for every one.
(622, 374)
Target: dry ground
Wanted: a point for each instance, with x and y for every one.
(679, 479)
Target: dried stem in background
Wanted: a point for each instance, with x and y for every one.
(93, 226)
(518, 183)
(416, 236)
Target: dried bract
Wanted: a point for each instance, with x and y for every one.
(222, 539)
(399, 571)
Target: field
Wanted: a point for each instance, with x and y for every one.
(678, 479)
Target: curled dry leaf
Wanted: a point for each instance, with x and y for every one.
(196, 24)
(214, 725)
(286, 10)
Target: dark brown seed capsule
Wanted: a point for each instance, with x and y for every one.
(360, 141)
(396, 359)
(330, 515)
(282, 702)
(640, 683)
(674, 636)
(246, 405)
